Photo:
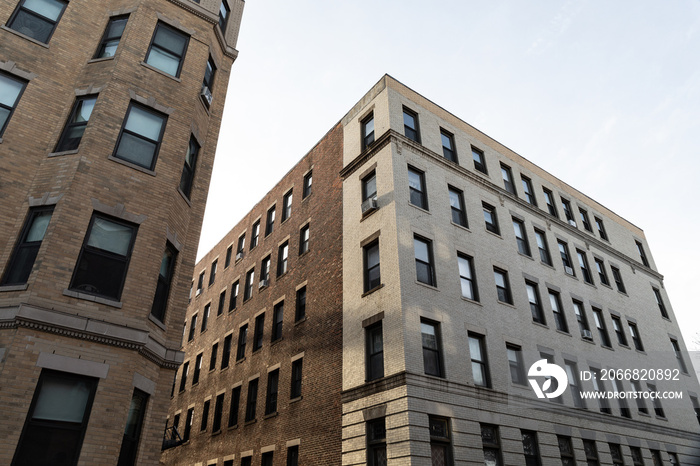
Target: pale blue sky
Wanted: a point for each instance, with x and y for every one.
(605, 95)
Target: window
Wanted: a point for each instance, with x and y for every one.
(197, 369)
(277, 320)
(258, 333)
(657, 296)
(448, 145)
(300, 312)
(559, 317)
(530, 448)
(459, 215)
(515, 362)
(212, 274)
(479, 160)
(432, 352)
(521, 237)
(183, 379)
(582, 320)
(491, 445)
(104, 258)
(112, 36)
(167, 50)
(679, 355)
(10, 91)
(602, 330)
(248, 290)
(507, 176)
(618, 280)
(416, 187)
(282, 255)
(57, 419)
(376, 443)
(242, 336)
(295, 390)
(490, 218)
(205, 317)
(502, 286)
(642, 254)
(252, 400)
(480, 368)
(591, 453)
(565, 259)
(200, 283)
(584, 219)
(551, 203)
(369, 187)
(527, 189)
(287, 205)
(410, 125)
(567, 212)
(76, 124)
(696, 406)
(233, 409)
(367, 131)
(641, 405)
(224, 10)
(658, 409)
(636, 339)
(240, 247)
(308, 180)
(566, 451)
(371, 266)
(218, 411)
(214, 355)
(208, 82)
(637, 459)
(374, 364)
(205, 416)
(599, 386)
(193, 326)
(304, 239)
(673, 459)
(656, 458)
(255, 235)
(222, 303)
(617, 327)
(37, 19)
(265, 271)
(293, 455)
(229, 253)
(267, 458)
(533, 296)
(467, 278)
(187, 177)
(601, 228)
(140, 136)
(583, 264)
(234, 296)
(602, 274)
(271, 397)
(246, 460)
(574, 384)
(270, 224)
(440, 450)
(425, 271)
(132, 430)
(188, 425)
(26, 249)
(226, 352)
(543, 247)
(619, 388)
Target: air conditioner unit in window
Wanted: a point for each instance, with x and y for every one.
(572, 223)
(239, 256)
(586, 335)
(263, 283)
(568, 270)
(206, 95)
(369, 205)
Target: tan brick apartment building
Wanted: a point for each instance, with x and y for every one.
(449, 265)
(109, 116)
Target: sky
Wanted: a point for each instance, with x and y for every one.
(604, 95)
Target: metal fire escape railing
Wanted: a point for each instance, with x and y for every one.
(171, 438)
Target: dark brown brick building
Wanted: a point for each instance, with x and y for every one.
(109, 117)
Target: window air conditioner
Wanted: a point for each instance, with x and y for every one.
(263, 284)
(206, 95)
(369, 205)
(586, 334)
(572, 223)
(239, 256)
(568, 270)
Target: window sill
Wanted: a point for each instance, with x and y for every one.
(420, 208)
(294, 400)
(224, 368)
(155, 320)
(469, 300)
(606, 285)
(640, 351)
(271, 415)
(368, 214)
(273, 343)
(30, 39)
(369, 292)
(65, 152)
(278, 277)
(461, 227)
(661, 418)
(300, 321)
(547, 265)
(609, 348)
(204, 104)
(13, 287)
(213, 434)
(643, 414)
(189, 203)
(304, 253)
(540, 324)
(623, 345)
(93, 298)
(574, 277)
(231, 310)
(131, 165)
(161, 72)
(563, 333)
(590, 284)
(252, 421)
(98, 60)
(432, 287)
(506, 304)
(497, 235)
(526, 256)
(235, 426)
(240, 361)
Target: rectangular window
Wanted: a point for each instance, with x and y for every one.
(551, 203)
(619, 388)
(533, 296)
(295, 390)
(467, 277)
(205, 416)
(226, 351)
(521, 237)
(679, 355)
(218, 411)
(212, 274)
(374, 364)
(599, 386)
(246, 460)
(234, 296)
(371, 266)
(37, 19)
(287, 205)
(132, 430)
(602, 329)
(582, 320)
(224, 11)
(490, 218)
(183, 379)
(240, 247)
(566, 451)
(591, 453)
(112, 36)
(193, 327)
(167, 49)
(233, 409)
(584, 219)
(559, 316)
(657, 296)
(300, 312)
(248, 290)
(104, 258)
(565, 259)
(617, 327)
(448, 145)
(76, 124)
(308, 180)
(459, 214)
(515, 362)
(696, 406)
(304, 239)
(527, 189)
(416, 187)
(251, 403)
(293, 455)
(369, 187)
(197, 369)
(574, 384)
(188, 170)
(602, 274)
(432, 351)
(255, 235)
(222, 303)
(410, 125)
(601, 228)
(507, 176)
(367, 131)
(229, 253)
(270, 223)
(57, 419)
(188, 425)
(425, 270)
(27, 247)
(502, 286)
(656, 458)
(583, 265)
(567, 212)
(543, 247)
(267, 459)
(642, 254)
(531, 449)
(242, 337)
(282, 256)
(271, 397)
(277, 321)
(140, 136)
(479, 160)
(10, 91)
(658, 409)
(214, 355)
(205, 317)
(376, 442)
(480, 368)
(265, 272)
(200, 283)
(440, 448)
(617, 276)
(553, 382)
(258, 332)
(636, 339)
(208, 82)
(491, 444)
(641, 405)
(637, 459)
